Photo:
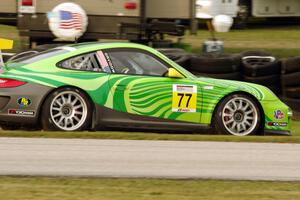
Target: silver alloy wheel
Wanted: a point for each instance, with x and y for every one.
(240, 116)
(68, 111)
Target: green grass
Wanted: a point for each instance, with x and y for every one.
(157, 136)
(281, 41)
(27, 188)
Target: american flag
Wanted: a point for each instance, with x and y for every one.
(70, 20)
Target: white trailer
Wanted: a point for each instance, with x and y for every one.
(241, 10)
(275, 8)
(8, 11)
(138, 20)
(207, 9)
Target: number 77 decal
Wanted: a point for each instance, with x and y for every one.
(184, 98)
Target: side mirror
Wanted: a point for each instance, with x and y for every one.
(173, 73)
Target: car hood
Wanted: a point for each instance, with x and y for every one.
(259, 91)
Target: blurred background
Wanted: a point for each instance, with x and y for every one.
(247, 40)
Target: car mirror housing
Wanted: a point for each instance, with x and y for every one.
(173, 73)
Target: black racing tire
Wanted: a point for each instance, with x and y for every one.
(176, 56)
(228, 119)
(69, 110)
(272, 80)
(167, 51)
(162, 44)
(293, 103)
(291, 65)
(259, 66)
(291, 80)
(255, 53)
(216, 65)
(275, 88)
(184, 61)
(230, 76)
(292, 92)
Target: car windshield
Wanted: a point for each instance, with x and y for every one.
(40, 56)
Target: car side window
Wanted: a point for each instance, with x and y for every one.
(136, 63)
(95, 62)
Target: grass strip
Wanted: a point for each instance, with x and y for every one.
(43, 188)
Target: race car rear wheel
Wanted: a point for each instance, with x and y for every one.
(67, 109)
(238, 115)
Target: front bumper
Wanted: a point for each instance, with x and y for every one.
(278, 117)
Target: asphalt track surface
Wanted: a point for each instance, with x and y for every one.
(149, 159)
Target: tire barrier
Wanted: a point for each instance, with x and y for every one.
(222, 64)
(260, 67)
(169, 51)
(290, 82)
(255, 53)
(257, 66)
(291, 65)
(293, 103)
(185, 61)
(252, 66)
(270, 81)
(263, 69)
(179, 56)
(293, 92)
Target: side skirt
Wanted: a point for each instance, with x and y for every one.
(109, 118)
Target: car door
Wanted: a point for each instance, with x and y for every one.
(139, 86)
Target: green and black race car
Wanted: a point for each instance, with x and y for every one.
(124, 85)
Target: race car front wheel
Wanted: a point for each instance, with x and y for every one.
(66, 109)
(238, 115)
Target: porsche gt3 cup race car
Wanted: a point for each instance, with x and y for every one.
(124, 85)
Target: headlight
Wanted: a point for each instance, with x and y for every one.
(290, 112)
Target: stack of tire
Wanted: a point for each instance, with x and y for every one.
(261, 68)
(214, 66)
(221, 66)
(291, 82)
(179, 56)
